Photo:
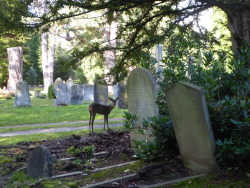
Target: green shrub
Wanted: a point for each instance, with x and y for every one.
(51, 93)
(86, 151)
(227, 87)
(75, 151)
(160, 128)
(130, 120)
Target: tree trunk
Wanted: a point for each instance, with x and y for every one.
(48, 70)
(239, 25)
(15, 58)
(47, 54)
(110, 34)
(45, 63)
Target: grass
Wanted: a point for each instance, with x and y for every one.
(43, 111)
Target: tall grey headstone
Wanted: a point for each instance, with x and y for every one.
(76, 94)
(40, 163)
(22, 95)
(190, 117)
(100, 94)
(121, 92)
(142, 93)
(61, 92)
(88, 93)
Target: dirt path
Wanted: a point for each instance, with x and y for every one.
(51, 130)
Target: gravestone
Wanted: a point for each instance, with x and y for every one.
(100, 94)
(69, 84)
(40, 163)
(61, 92)
(22, 95)
(142, 93)
(76, 94)
(190, 117)
(88, 93)
(121, 92)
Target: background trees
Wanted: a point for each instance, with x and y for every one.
(142, 24)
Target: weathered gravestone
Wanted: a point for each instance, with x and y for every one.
(40, 163)
(61, 92)
(121, 92)
(69, 84)
(22, 95)
(142, 93)
(100, 94)
(76, 94)
(88, 93)
(190, 117)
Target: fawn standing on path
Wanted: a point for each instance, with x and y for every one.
(105, 110)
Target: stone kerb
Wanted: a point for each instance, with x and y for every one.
(121, 92)
(190, 117)
(88, 93)
(40, 163)
(100, 94)
(22, 95)
(61, 92)
(142, 93)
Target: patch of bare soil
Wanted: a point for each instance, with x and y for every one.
(116, 146)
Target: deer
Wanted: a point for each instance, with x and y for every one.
(96, 108)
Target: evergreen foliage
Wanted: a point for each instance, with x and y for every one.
(32, 66)
(51, 93)
(226, 82)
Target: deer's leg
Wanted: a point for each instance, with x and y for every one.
(90, 117)
(104, 121)
(107, 120)
(92, 123)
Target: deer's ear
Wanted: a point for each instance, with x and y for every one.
(111, 99)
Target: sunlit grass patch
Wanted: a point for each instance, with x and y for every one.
(43, 111)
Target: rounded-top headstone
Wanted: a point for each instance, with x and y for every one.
(61, 92)
(142, 93)
(40, 163)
